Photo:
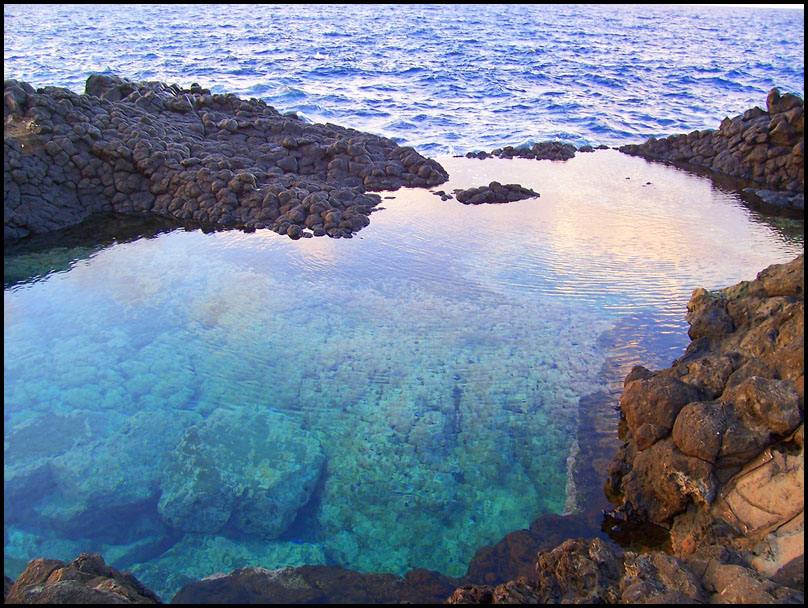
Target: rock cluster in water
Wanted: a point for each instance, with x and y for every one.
(494, 193)
(765, 147)
(213, 160)
(545, 150)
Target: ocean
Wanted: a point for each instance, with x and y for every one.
(444, 79)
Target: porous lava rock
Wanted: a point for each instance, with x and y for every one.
(494, 193)
(212, 160)
(85, 580)
(714, 444)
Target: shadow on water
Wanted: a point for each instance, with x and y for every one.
(38, 256)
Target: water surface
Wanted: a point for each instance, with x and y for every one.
(438, 358)
(449, 78)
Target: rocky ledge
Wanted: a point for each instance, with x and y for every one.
(211, 160)
(494, 193)
(763, 147)
(713, 453)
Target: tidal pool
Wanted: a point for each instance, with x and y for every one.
(191, 403)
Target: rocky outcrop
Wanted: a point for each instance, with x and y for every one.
(713, 453)
(764, 147)
(494, 193)
(212, 160)
(593, 572)
(714, 444)
(85, 580)
(545, 150)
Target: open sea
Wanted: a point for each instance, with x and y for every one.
(445, 79)
(188, 403)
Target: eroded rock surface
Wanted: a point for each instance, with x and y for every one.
(213, 160)
(582, 571)
(766, 147)
(494, 193)
(85, 580)
(714, 444)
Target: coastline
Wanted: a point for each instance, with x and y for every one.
(222, 583)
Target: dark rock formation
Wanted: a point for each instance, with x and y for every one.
(85, 580)
(494, 193)
(214, 160)
(763, 147)
(316, 585)
(546, 150)
(593, 572)
(714, 444)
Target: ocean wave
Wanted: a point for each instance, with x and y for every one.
(453, 72)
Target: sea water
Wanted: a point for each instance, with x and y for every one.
(451, 78)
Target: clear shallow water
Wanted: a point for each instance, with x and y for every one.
(438, 359)
(442, 78)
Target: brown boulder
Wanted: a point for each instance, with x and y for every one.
(85, 580)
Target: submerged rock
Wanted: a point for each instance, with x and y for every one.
(85, 580)
(316, 585)
(198, 556)
(211, 160)
(765, 147)
(252, 470)
(494, 193)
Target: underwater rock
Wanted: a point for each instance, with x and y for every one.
(316, 585)
(85, 580)
(724, 464)
(211, 160)
(765, 147)
(198, 556)
(494, 193)
(65, 489)
(545, 150)
(246, 468)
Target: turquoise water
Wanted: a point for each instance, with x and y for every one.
(191, 403)
(449, 78)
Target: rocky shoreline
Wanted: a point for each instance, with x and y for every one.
(764, 147)
(221, 162)
(713, 454)
(215, 160)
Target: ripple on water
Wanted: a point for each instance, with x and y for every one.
(659, 62)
